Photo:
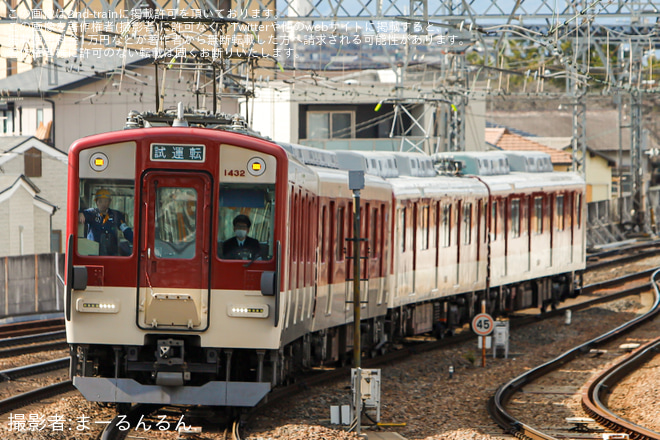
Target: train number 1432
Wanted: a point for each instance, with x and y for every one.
(235, 173)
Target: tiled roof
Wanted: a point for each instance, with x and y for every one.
(493, 135)
(513, 142)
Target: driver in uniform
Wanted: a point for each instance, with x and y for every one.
(104, 223)
(241, 247)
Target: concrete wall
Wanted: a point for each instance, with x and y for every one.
(28, 284)
(599, 177)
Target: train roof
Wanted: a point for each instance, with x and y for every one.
(494, 163)
(530, 182)
(377, 163)
(484, 163)
(440, 185)
(311, 156)
(387, 164)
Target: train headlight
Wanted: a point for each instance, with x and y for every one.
(256, 166)
(247, 311)
(87, 306)
(98, 161)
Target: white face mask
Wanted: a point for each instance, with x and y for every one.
(241, 234)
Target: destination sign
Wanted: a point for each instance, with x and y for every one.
(178, 153)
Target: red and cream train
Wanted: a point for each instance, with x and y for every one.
(172, 320)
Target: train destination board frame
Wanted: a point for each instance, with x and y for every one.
(178, 153)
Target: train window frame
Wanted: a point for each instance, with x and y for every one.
(445, 225)
(538, 215)
(401, 220)
(341, 236)
(493, 221)
(425, 226)
(515, 218)
(467, 221)
(559, 212)
(373, 245)
(578, 207)
(262, 222)
(324, 230)
(120, 189)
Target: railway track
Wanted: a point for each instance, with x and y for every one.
(622, 255)
(24, 399)
(594, 398)
(31, 327)
(14, 346)
(497, 405)
(466, 335)
(634, 287)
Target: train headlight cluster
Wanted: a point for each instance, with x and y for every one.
(98, 162)
(247, 311)
(86, 306)
(256, 166)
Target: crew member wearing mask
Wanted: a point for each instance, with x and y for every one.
(241, 247)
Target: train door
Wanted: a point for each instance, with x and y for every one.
(414, 247)
(174, 250)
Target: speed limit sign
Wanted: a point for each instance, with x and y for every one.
(483, 324)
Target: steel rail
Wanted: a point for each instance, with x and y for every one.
(32, 369)
(32, 339)
(596, 393)
(24, 399)
(31, 327)
(517, 321)
(496, 405)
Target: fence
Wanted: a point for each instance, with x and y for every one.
(612, 220)
(31, 284)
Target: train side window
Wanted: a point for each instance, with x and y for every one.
(373, 245)
(255, 201)
(402, 228)
(324, 231)
(493, 221)
(578, 208)
(560, 213)
(446, 226)
(467, 220)
(106, 217)
(538, 215)
(341, 237)
(515, 218)
(524, 217)
(425, 227)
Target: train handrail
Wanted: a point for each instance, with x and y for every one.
(496, 404)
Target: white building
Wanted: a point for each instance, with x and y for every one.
(357, 112)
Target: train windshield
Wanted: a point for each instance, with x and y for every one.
(245, 221)
(175, 223)
(105, 217)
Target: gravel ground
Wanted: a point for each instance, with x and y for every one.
(417, 394)
(637, 397)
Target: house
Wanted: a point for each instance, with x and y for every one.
(39, 171)
(598, 166)
(25, 217)
(503, 139)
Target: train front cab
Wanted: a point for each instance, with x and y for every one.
(165, 317)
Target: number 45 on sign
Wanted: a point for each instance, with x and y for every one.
(483, 324)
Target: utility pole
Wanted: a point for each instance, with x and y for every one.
(355, 184)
